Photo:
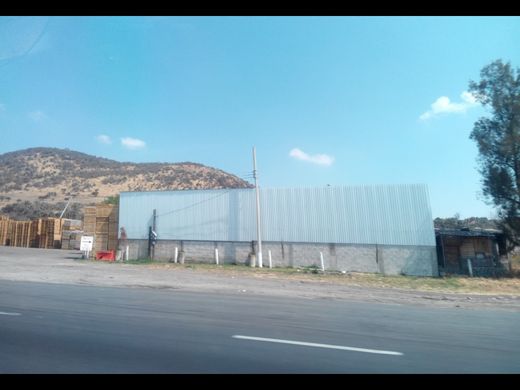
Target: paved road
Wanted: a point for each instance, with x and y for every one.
(65, 267)
(59, 328)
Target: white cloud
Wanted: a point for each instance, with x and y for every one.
(37, 116)
(104, 139)
(132, 143)
(443, 105)
(320, 159)
(468, 97)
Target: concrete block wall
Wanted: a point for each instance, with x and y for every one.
(385, 259)
(408, 260)
(137, 249)
(358, 258)
(294, 254)
(204, 251)
(195, 251)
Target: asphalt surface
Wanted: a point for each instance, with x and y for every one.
(66, 267)
(64, 328)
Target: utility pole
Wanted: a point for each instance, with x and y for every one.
(154, 229)
(67, 205)
(152, 236)
(258, 234)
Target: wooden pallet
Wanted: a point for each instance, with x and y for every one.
(15, 233)
(50, 233)
(4, 227)
(102, 222)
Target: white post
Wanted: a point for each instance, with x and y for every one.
(270, 260)
(126, 253)
(322, 263)
(176, 256)
(259, 237)
(216, 256)
(470, 268)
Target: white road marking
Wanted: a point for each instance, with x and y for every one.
(9, 314)
(381, 352)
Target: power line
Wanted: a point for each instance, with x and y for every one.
(195, 204)
(247, 175)
(12, 57)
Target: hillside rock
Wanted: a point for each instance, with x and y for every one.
(57, 175)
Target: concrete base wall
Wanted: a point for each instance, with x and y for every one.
(384, 259)
(408, 260)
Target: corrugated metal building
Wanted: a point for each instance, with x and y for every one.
(380, 228)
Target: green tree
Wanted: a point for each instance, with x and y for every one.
(498, 140)
(112, 199)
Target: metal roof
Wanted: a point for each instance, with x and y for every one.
(377, 214)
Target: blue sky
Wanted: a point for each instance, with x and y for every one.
(326, 100)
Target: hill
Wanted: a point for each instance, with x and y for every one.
(43, 176)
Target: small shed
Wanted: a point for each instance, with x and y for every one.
(484, 250)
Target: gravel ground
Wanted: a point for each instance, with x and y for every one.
(65, 266)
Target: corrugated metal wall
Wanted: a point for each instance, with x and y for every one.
(385, 214)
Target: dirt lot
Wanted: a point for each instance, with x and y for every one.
(62, 266)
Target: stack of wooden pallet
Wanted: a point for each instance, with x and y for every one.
(21, 233)
(71, 232)
(14, 233)
(89, 220)
(50, 233)
(101, 222)
(39, 233)
(71, 224)
(34, 234)
(5, 227)
(107, 220)
(71, 239)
